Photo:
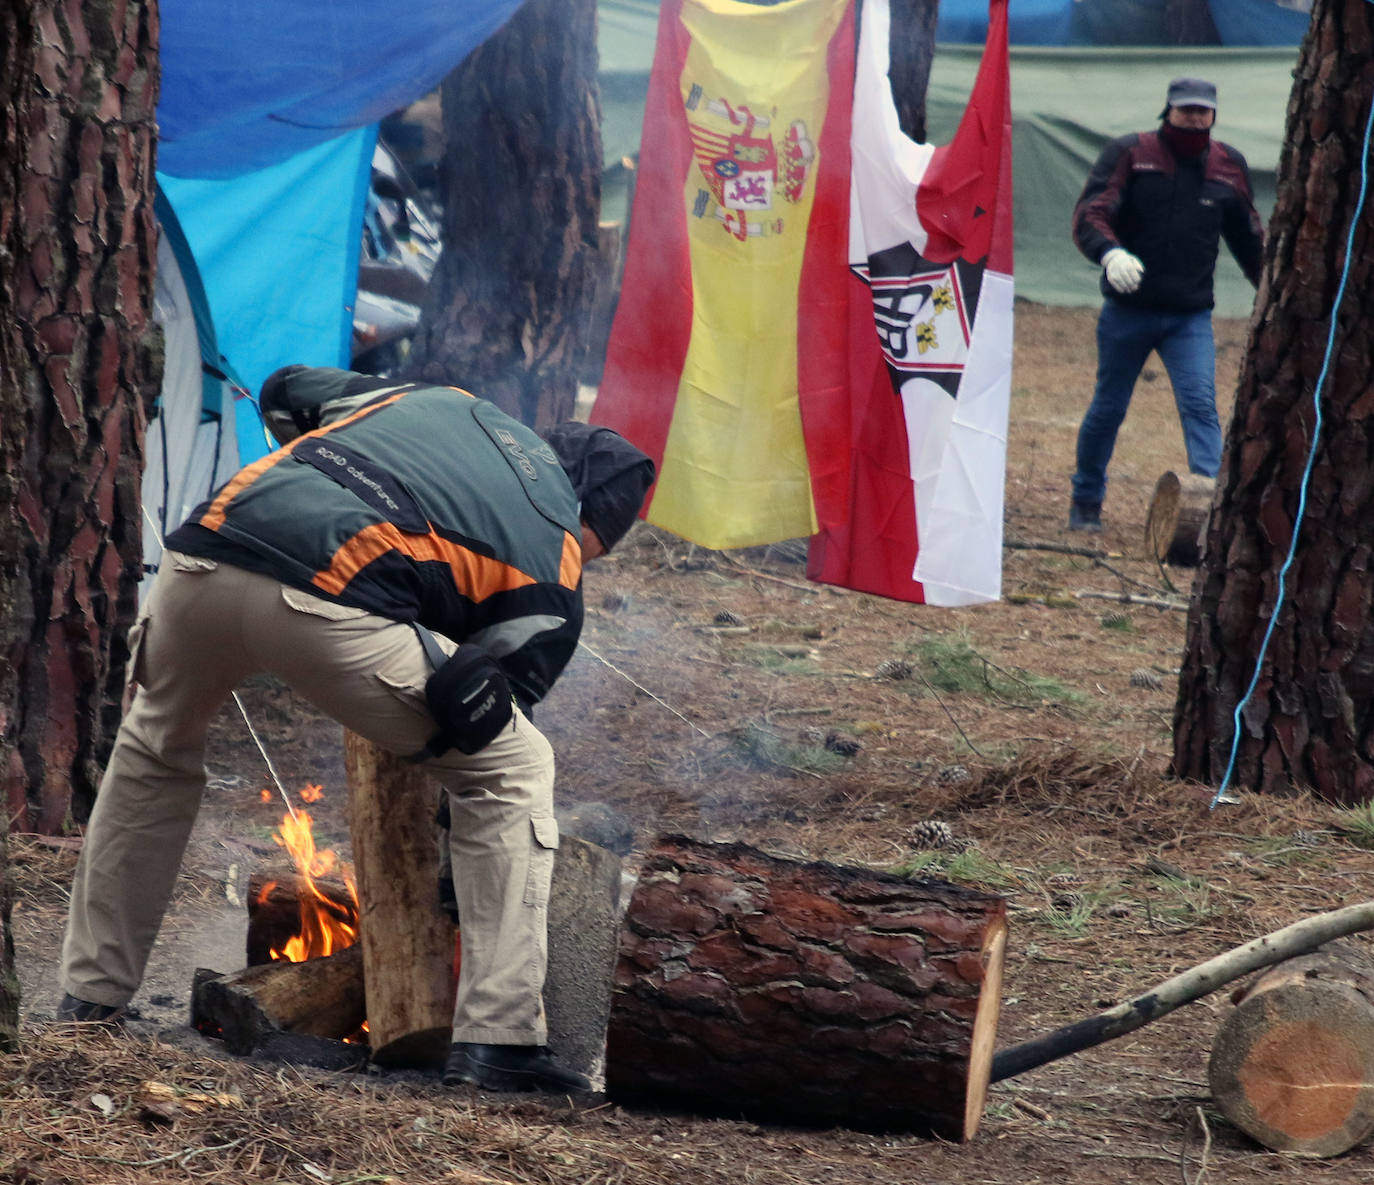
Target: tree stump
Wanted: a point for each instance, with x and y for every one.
(407, 942)
(1176, 525)
(1293, 1065)
(805, 992)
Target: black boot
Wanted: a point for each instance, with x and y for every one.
(74, 1011)
(1085, 516)
(510, 1067)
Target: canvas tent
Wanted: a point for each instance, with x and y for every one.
(190, 446)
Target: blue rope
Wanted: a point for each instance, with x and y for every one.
(1307, 470)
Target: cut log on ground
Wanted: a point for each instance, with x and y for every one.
(407, 942)
(274, 909)
(318, 998)
(1293, 1065)
(1176, 525)
(805, 992)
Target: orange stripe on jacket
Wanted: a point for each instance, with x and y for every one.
(214, 517)
(478, 576)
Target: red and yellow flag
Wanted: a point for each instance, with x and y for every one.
(727, 361)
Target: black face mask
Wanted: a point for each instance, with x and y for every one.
(1186, 141)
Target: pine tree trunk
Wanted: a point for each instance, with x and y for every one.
(9, 981)
(78, 88)
(511, 298)
(1310, 720)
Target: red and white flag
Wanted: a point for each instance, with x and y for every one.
(930, 326)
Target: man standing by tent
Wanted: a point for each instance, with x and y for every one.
(390, 511)
(1152, 213)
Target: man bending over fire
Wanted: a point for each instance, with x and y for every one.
(389, 512)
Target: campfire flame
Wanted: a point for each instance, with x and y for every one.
(327, 925)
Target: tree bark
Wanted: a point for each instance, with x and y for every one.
(805, 992)
(407, 941)
(78, 87)
(511, 297)
(1293, 1065)
(1310, 720)
(9, 980)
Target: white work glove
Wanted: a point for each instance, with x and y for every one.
(1123, 269)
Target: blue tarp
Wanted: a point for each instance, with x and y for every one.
(267, 122)
(1261, 22)
(1239, 23)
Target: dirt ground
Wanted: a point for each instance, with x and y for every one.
(1037, 729)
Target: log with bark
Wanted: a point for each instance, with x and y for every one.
(1293, 1065)
(320, 997)
(809, 992)
(1176, 524)
(407, 942)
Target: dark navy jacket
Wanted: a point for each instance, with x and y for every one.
(421, 505)
(1170, 212)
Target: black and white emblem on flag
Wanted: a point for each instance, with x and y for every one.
(923, 313)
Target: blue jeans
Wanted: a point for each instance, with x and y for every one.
(1125, 337)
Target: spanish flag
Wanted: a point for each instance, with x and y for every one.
(930, 327)
(728, 359)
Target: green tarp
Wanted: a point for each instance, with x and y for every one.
(1066, 103)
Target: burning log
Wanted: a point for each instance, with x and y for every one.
(321, 997)
(805, 992)
(407, 942)
(1292, 1066)
(275, 904)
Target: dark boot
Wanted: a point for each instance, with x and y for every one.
(1085, 516)
(74, 1011)
(510, 1067)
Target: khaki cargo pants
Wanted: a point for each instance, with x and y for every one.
(204, 628)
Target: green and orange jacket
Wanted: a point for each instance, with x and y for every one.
(420, 504)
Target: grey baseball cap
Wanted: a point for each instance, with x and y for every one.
(1190, 92)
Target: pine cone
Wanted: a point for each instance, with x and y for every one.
(951, 775)
(725, 617)
(845, 746)
(930, 833)
(894, 668)
(1146, 678)
(1116, 621)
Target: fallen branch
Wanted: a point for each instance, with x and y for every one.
(1091, 553)
(1297, 939)
(806, 588)
(1131, 599)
